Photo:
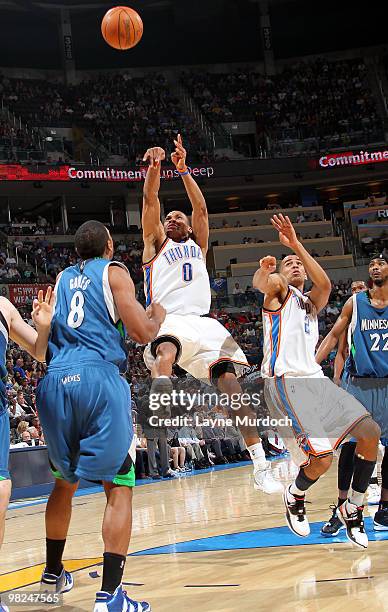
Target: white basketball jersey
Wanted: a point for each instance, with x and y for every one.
(290, 338)
(177, 279)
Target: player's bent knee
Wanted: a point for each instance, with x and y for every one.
(367, 430)
(166, 351)
(322, 463)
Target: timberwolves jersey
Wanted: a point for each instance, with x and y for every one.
(86, 326)
(290, 338)
(368, 339)
(3, 369)
(177, 278)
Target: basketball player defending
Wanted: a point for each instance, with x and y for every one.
(84, 406)
(365, 318)
(322, 414)
(34, 342)
(176, 276)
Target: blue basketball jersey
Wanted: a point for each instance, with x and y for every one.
(368, 346)
(86, 326)
(3, 369)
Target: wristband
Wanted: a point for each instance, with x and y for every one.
(184, 173)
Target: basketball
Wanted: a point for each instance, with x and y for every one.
(122, 27)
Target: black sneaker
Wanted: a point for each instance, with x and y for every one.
(380, 522)
(333, 525)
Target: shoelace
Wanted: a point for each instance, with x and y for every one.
(357, 519)
(298, 508)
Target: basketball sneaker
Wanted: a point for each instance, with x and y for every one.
(119, 602)
(333, 525)
(380, 521)
(50, 583)
(351, 516)
(374, 494)
(296, 513)
(3, 608)
(264, 481)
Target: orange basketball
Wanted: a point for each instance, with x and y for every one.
(122, 27)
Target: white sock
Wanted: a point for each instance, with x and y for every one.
(356, 498)
(295, 491)
(257, 454)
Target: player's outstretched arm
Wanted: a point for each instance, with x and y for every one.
(34, 341)
(332, 338)
(153, 232)
(199, 219)
(141, 326)
(321, 289)
(274, 286)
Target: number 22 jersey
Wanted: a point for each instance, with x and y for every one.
(86, 327)
(368, 339)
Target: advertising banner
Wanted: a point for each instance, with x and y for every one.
(23, 295)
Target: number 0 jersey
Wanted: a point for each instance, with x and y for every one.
(368, 339)
(290, 338)
(177, 278)
(86, 326)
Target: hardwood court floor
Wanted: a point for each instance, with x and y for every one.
(266, 569)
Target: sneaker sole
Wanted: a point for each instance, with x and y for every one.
(288, 516)
(379, 527)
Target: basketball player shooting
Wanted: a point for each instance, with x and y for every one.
(365, 319)
(321, 413)
(176, 276)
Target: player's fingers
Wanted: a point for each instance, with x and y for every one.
(48, 295)
(179, 139)
(146, 155)
(40, 296)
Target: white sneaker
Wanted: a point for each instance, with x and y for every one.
(264, 481)
(296, 513)
(351, 516)
(374, 494)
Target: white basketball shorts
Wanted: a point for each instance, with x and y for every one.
(320, 414)
(202, 342)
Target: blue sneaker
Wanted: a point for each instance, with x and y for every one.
(50, 583)
(119, 602)
(3, 608)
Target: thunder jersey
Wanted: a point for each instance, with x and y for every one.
(3, 369)
(177, 279)
(368, 339)
(86, 326)
(290, 338)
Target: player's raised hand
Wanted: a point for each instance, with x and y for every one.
(154, 155)
(268, 264)
(43, 308)
(287, 234)
(156, 312)
(178, 157)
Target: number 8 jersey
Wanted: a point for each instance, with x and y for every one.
(177, 279)
(368, 339)
(86, 327)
